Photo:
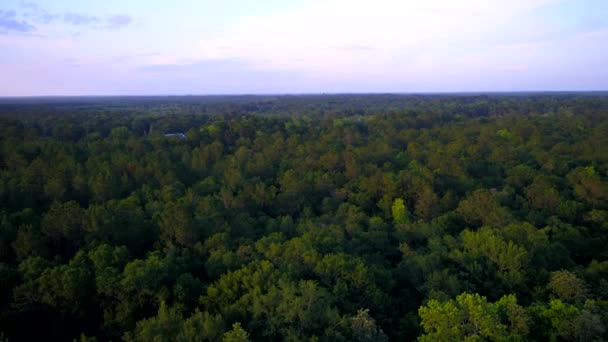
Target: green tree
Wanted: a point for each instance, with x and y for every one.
(471, 318)
(482, 208)
(567, 286)
(558, 320)
(63, 224)
(29, 242)
(165, 326)
(399, 212)
(365, 329)
(237, 334)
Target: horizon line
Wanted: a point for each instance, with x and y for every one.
(481, 92)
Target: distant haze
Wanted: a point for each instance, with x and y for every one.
(112, 47)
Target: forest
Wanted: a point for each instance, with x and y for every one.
(381, 217)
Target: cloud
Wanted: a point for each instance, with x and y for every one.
(215, 65)
(10, 23)
(119, 59)
(148, 54)
(119, 21)
(220, 76)
(36, 14)
(333, 34)
(29, 5)
(354, 47)
(216, 68)
(79, 19)
(114, 22)
(71, 62)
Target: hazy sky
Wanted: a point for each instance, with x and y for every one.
(104, 47)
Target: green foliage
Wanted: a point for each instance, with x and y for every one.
(170, 325)
(399, 211)
(472, 318)
(305, 218)
(237, 334)
(482, 208)
(365, 329)
(506, 257)
(164, 327)
(567, 286)
(558, 320)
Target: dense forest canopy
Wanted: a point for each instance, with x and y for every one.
(305, 218)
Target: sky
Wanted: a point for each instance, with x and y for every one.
(154, 47)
